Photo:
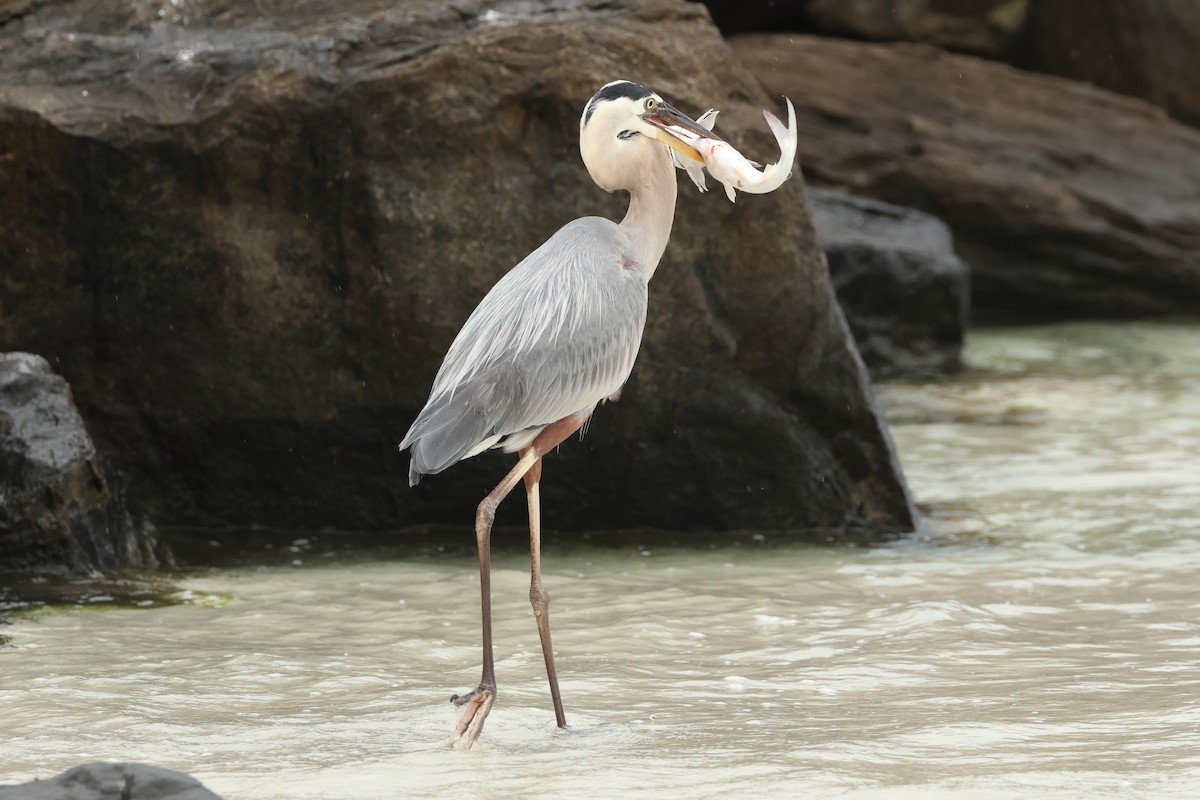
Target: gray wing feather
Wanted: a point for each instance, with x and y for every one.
(553, 337)
(446, 430)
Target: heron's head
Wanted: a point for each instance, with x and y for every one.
(621, 131)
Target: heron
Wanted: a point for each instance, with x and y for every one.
(556, 336)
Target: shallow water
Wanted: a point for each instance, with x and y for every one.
(1041, 637)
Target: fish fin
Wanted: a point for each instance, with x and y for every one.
(783, 133)
(706, 120)
(774, 175)
(730, 193)
(695, 173)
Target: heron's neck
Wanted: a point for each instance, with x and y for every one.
(651, 212)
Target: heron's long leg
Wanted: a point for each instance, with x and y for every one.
(539, 598)
(478, 703)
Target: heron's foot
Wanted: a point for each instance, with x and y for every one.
(475, 706)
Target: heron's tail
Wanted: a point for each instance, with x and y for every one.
(447, 430)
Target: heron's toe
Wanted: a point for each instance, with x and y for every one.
(475, 706)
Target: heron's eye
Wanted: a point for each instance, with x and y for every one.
(650, 103)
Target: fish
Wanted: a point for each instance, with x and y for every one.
(730, 167)
(695, 171)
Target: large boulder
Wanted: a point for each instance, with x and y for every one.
(1066, 200)
(740, 16)
(111, 781)
(248, 234)
(987, 27)
(1146, 49)
(905, 292)
(57, 512)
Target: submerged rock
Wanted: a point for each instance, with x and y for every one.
(1065, 199)
(57, 512)
(248, 235)
(905, 292)
(110, 781)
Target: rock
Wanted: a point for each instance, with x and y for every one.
(1146, 49)
(740, 16)
(108, 781)
(1066, 200)
(248, 236)
(56, 510)
(986, 27)
(905, 292)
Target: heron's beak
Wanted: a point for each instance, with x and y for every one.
(677, 130)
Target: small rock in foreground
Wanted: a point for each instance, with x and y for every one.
(108, 781)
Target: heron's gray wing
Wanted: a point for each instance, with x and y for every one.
(452, 425)
(553, 337)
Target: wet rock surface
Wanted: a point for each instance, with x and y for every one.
(57, 512)
(905, 292)
(1066, 200)
(249, 235)
(111, 781)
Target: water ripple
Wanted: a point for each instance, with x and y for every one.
(1040, 638)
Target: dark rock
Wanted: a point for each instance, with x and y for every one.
(1066, 200)
(986, 27)
(1146, 49)
(107, 781)
(905, 292)
(249, 233)
(742, 16)
(56, 509)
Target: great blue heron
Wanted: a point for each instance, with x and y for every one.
(553, 338)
